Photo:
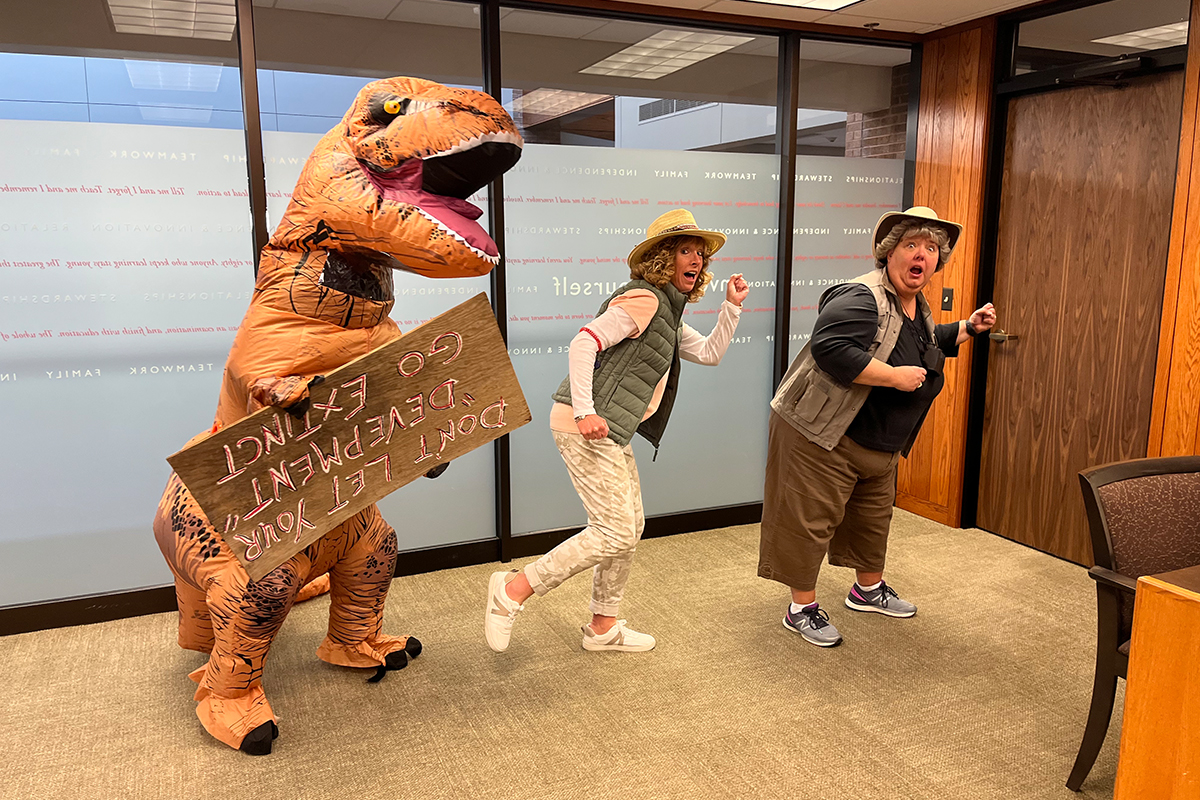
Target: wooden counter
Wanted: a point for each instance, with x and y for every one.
(1160, 734)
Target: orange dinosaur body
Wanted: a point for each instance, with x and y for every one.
(385, 189)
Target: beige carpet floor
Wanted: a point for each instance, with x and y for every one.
(982, 695)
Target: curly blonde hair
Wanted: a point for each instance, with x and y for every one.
(657, 265)
(907, 228)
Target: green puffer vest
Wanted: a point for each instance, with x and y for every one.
(627, 373)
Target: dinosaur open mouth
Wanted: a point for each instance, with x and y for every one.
(464, 170)
(438, 186)
(454, 215)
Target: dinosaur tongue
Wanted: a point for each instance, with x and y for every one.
(403, 185)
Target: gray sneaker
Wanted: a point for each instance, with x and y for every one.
(813, 624)
(882, 600)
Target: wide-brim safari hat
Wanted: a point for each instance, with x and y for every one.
(916, 214)
(677, 222)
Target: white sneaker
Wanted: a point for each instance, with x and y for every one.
(501, 611)
(619, 638)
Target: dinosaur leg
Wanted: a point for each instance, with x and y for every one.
(359, 584)
(187, 543)
(195, 623)
(246, 616)
(234, 621)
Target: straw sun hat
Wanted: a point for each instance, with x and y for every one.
(677, 222)
(915, 214)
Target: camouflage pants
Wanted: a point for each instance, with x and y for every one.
(606, 478)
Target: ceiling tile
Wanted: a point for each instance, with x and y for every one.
(370, 9)
(852, 21)
(999, 8)
(1075, 30)
(563, 26)
(690, 4)
(453, 15)
(854, 54)
(761, 46)
(766, 10)
(623, 32)
(929, 11)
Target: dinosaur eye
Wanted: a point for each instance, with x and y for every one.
(384, 109)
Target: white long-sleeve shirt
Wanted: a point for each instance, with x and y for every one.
(617, 324)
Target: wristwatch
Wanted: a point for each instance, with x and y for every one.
(971, 329)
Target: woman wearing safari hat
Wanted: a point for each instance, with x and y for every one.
(623, 371)
(848, 408)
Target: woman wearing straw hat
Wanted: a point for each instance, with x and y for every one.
(623, 371)
(850, 405)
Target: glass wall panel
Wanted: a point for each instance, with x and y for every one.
(625, 121)
(126, 249)
(126, 257)
(1107, 30)
(850, 143)
(311, 66)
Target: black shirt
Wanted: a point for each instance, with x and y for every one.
(846, 325)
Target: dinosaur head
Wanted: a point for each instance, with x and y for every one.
(427, 148)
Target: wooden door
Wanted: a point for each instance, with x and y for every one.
(1085, 220)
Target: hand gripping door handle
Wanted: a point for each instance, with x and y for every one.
(1001, 336)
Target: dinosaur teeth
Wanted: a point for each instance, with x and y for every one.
(500, 136)
(494, 260)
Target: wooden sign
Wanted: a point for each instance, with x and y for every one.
(273, 484)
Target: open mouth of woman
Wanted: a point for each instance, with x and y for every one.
(691, 275)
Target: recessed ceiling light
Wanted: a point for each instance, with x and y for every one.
(189, 19)
(542, 105)
(175, 77)
(663, 53)
(1150, 38)
(819, 5)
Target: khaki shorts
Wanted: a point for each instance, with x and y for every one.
(818, 502)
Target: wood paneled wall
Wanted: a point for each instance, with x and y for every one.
(1175, 420)
(952, 139)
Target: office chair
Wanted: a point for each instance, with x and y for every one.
(1144, 518)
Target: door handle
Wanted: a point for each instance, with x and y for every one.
(1001, 336)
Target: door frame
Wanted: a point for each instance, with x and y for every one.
(1007, 87)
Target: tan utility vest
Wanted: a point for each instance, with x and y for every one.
(813, 401)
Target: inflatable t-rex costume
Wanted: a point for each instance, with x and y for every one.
(385, 189)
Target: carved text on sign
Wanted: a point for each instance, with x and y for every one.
(280, 481)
